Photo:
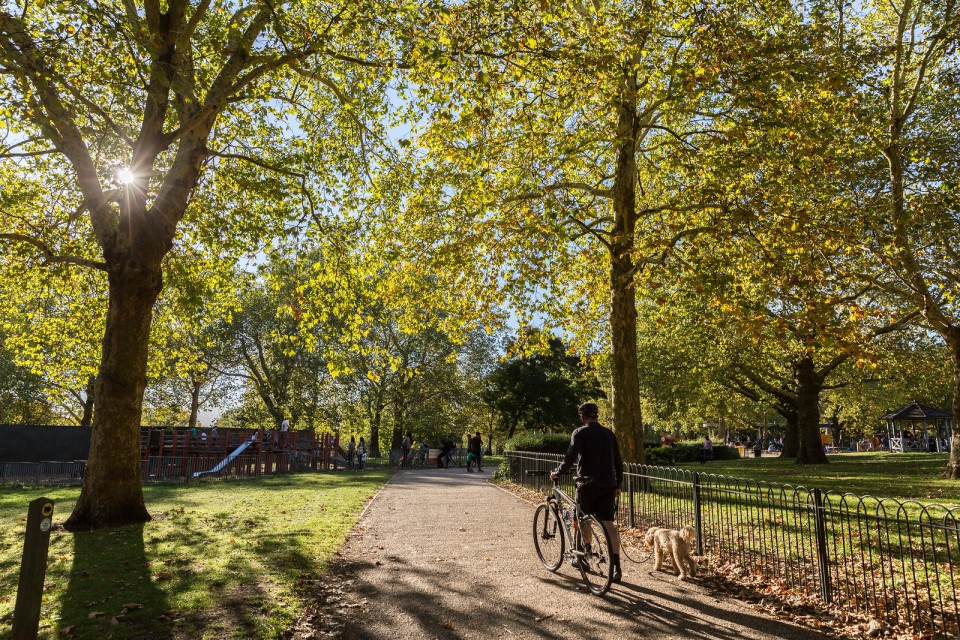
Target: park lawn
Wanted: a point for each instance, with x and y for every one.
(904, 476)
(218, 560)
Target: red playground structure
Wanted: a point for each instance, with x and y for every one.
(184, 454)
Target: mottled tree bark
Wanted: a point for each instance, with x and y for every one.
(90, 394)
(625, 378)
(952, 471)
(809, 385)
(791, 435)
(112, 494)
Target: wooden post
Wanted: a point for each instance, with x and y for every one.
(33, 569)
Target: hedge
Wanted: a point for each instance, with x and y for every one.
(655, 454)
(539, 443)
(689, 451)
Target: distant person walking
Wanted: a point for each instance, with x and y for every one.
(475, 452)
(707, 450)
(405, 449)
(446, 453)
(361, 453)
(351, 451)
(284, 426)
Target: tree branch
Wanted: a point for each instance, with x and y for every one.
(49, 257)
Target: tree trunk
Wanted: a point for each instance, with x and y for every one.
(808, 414)
(953, 466)
(112, 494)
(625, 382)
(87, 419)
(625, 379)
(375, 430)
(791, 434)
(396, 439)
(194, 401)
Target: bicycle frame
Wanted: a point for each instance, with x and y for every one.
(558, 500)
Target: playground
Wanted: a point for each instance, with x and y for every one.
(166, 455)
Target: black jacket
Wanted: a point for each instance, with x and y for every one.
(596, 453)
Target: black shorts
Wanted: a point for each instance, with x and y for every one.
(598, 501)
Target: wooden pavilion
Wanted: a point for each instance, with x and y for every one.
(918, 427)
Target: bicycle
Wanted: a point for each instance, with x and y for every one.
(418, 460)
(556, 526)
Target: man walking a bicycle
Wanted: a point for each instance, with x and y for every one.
(595, 452)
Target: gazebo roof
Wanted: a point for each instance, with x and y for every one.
(917, 411)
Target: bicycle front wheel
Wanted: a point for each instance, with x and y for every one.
(596, 563)
(548, 536)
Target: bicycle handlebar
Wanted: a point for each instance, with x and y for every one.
(578, 480)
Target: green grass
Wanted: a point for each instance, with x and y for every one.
(218, 560)
(904, 476)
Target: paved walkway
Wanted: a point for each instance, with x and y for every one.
(445, 554)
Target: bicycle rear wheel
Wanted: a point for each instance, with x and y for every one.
(596, 563)
(548, 536)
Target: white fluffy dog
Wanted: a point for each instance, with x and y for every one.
(677, 544)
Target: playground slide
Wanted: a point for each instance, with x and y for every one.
(223, 463)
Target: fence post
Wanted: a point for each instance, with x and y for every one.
(820, 520)
(631, 516)
(33, 568)
(698, 512)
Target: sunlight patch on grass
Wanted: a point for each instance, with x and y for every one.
(218, 560)
(904, 476)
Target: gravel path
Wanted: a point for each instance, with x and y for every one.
(446, 554)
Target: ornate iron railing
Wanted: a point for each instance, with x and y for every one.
(896, 561)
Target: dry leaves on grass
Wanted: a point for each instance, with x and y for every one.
(774, 598)
(331, 601)
(799, 606)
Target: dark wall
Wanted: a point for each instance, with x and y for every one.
(33, 443)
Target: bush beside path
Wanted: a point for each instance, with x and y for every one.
(447, 554)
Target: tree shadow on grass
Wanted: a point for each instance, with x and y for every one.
(114, 593)
(110, 591)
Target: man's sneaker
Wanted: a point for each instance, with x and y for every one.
(480, 470)
(617, 575)
(469, 470)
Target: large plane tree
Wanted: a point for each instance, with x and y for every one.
(127, 110)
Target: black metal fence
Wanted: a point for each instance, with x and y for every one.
(898, 562)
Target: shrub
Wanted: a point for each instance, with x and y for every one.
(688, 451)
(659, 456)
(539, 442)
